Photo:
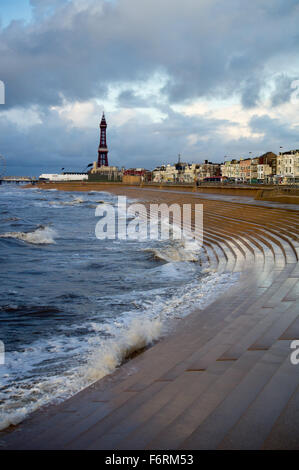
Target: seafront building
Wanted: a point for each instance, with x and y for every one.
(59, 178)
(209, 170)
(105, 173)
(165, 174)
(258, 169)
(245, 169)
(288, 166)
(231, 169)
(182, 172)
(136, 176)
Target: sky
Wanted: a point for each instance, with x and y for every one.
(207, 79)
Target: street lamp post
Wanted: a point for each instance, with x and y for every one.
(280, 153)
(250, 153)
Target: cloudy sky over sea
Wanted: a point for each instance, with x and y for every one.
(204, 78)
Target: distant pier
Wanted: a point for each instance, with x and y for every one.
(18, 179)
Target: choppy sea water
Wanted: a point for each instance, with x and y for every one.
(72, 307)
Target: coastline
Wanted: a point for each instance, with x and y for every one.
(237, 238)
(274, 194)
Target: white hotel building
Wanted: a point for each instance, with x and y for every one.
(288, 166)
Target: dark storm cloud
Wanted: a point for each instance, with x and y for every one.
(128, 99)
(52, 144)
(283, 90)
(150, 144)
(275, 131)
(251, 92)
(46, 147)
(205, 47)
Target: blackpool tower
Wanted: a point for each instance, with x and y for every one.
(103, 149)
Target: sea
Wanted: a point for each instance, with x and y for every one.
(73, 306)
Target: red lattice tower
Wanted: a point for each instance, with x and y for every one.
(103, 149)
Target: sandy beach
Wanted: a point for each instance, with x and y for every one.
(223, 379)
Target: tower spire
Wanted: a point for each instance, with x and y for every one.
(103, 149)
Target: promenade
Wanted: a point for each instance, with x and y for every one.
(223, 379)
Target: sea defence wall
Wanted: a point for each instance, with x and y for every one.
(275, 193)
(224, 379)
(284, 195)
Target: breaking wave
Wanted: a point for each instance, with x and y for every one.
(139, 335)
(183, 250)
(122, 340)
(105, 358)
(74, 202)
(43, 235)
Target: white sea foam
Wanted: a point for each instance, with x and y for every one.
(186, 249)
(43, 235)
(74, 202)
(174, 253)
(139, 334)
(103, 358)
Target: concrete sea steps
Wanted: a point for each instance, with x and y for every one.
(231, 247)
(49, 423)
(256, 423)
(271, 225)
(69, 407)
(116, 416)
(136, 429)
(284, 433)
(82, 421)
(119, 429)
(285, 240)
(218, 423)
(235, 240)
(264, 333)
(251, 327)
(116, 426)
(261, 244)
(239, 237)
(212, 256)
(176, 429)
(273, 238)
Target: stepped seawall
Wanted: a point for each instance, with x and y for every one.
(224, 378)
